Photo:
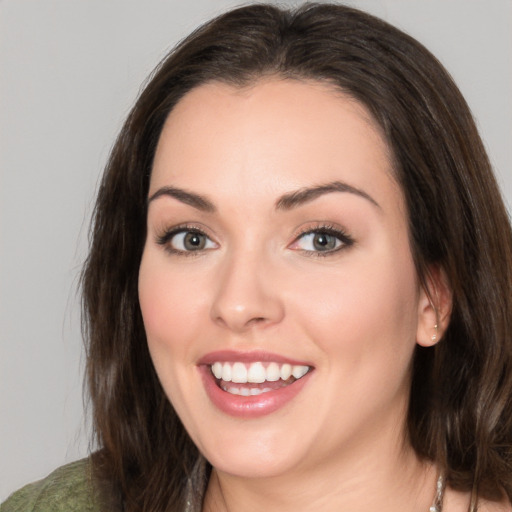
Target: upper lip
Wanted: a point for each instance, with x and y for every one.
(248, 357)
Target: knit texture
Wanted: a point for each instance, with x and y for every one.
(69, 488)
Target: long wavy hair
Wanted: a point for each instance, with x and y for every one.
(460, 412)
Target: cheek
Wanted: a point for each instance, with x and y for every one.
(365, 311)
(170, 301)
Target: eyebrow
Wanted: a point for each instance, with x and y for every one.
(305, 195)
(285, 202)
(195, 200)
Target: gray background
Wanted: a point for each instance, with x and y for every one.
(70, 69)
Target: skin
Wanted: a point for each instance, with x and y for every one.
(354, 314)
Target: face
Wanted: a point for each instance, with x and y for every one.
(277, 286)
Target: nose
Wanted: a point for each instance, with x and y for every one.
(247, 294)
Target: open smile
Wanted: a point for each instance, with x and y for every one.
(256, 378)
(245, 388)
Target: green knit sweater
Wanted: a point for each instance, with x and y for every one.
(67, 489)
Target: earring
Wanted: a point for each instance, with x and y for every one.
(434, 336)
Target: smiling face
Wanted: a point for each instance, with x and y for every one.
(277, 265)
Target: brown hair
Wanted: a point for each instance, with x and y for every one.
(460, 413)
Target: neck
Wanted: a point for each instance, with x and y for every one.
(384, 481)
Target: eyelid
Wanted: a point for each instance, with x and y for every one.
(324, 228)
(165, 236)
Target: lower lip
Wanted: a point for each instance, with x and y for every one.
(250, 406)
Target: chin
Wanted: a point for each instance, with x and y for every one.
(252, 452)
(252, 465)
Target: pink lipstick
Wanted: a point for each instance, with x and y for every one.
(252, 384)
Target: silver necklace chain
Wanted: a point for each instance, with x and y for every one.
(437, 505)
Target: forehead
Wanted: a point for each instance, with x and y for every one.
(272, 135)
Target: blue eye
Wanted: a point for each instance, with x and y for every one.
(184, 240)
(322, 240)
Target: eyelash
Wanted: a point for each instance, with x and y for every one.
(166, 237)
(346, 241)
(325, 229)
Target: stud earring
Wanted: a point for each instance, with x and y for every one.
(434, 336)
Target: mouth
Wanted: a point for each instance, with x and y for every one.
(256, 378)
(252, 384)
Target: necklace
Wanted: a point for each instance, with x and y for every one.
(437, 505)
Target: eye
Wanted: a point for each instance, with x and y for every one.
(322, 240)
(319, 242)
(186, 240)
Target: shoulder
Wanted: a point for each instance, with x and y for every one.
(68, 488)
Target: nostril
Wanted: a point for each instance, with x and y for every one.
(257, 320)
(242, 324)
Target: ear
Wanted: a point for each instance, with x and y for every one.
(434, 307)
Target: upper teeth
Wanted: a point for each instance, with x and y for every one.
(257, 372)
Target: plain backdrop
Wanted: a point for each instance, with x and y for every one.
(70, 69)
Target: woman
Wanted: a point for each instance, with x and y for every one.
(298, 289)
